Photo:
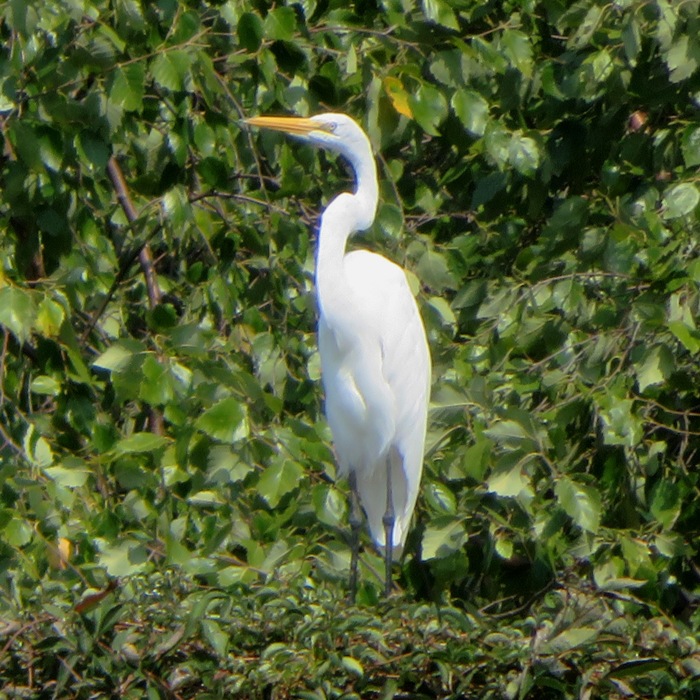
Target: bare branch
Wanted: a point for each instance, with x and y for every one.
(155, 417)
(145, 255)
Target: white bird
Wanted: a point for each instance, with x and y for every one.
(375, 363)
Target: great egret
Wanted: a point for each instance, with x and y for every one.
(375, 363)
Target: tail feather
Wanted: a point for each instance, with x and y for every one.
(371, 487)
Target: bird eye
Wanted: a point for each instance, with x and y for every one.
(331, 127)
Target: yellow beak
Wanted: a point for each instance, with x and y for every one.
(290, 125)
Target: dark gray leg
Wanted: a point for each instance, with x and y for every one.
(388, 521)
(355, 525)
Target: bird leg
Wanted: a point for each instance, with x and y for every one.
(388, 521)
(355, 525)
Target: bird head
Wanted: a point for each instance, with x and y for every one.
(334, 132)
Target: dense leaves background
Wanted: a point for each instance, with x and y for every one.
(169, 521)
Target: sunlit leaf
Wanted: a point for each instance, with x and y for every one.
(680, 200)
(49, 317)
(472, 109)
(280, 23)
(125, 558)
(666, 503)
(690, 145)
(441, 540)
(398, 96)
(170, 69)
(655, 368)
(17, 311)
(128, 86)
(582, 503)
(226, 421)
(277, 480)
(429, 108)
(44, 384)
(518, 49)
(440, 12)
(141, 442)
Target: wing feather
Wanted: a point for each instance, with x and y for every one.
(393, 338)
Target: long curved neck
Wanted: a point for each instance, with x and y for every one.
(346, 214)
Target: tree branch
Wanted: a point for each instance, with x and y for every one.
(145, 255)
(155, 417)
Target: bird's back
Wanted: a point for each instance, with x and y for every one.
(376, 373)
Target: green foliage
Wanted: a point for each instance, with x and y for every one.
(538, 181)
(167, 638)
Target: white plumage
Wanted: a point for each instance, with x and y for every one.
(376, 374)
(375, 363)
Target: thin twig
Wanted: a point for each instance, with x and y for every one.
(145, 255)
(155, 417)
(5, 435)
(124, 266)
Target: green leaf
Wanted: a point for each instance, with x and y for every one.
(280, 24)
(125, 558)
(177, 206)
(524, 154)
(50, 149)
(44, 384)
(509, 482)
(131, 14)
(580, 502)
(226, 421)
(205, 139)
(475, 461)
(631, 39)
(330, 505)
(17, 532)
(445, 313)
(17, 311)
(569, 639)
(157, 387)
(441, 13)
(217, 638)
(170, 69)
(37, 448)
(250, 31)
(517, 48)
(680, 200)
(26, 145)
(224, 465)
(92, 150)
(683, 57)
(690, 145)
(665, 503)
(205, 498)
(510, 434)
(655, 368)
(504, 547)
(73, 477)
(497, 140)
(390, 219)
(352, 666)
(429, 108)
(141, 442)
(118, 356)
(442, 538)
(688, 337)
(585, 28)
(472, 110)
(128, 86)
(441, 499)
(433, 270)
(50, 316)
(279, 479)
